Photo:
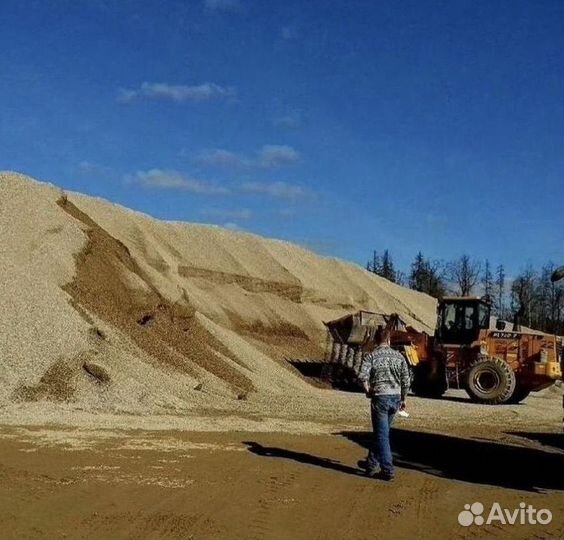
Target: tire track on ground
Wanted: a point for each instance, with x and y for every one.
(260, 522)
(426, 505)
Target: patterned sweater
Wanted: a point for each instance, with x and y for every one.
(386, 372)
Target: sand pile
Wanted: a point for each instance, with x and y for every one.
(109, 309)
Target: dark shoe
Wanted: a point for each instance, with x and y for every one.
(365, 466)
(373, 472)
(387, 477)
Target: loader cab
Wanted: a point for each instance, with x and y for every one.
(460, 319)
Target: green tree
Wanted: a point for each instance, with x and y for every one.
(387, 269)
(418, 273)
(427, 276)
(383, 266)
(375, 266)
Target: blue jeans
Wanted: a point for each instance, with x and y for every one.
(383, 410)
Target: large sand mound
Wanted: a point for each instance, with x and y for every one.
(109, 309)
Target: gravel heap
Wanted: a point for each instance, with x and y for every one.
(105, 309)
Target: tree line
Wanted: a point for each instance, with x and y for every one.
(530, 296)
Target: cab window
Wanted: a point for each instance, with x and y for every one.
(449, 317)
(468, 322)
(460, 322)
(484, 316)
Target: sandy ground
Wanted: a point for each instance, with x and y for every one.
(219, 477)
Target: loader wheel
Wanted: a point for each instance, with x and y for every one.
(490, 381)
(425, 384)
(519, 394)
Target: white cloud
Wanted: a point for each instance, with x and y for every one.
(88, 167)
(269, 156)
(234, 214)
(177, 93)
(273, 155)
(222, 5)
(168, 179)
(281, 190)
(233, 226)
(290, 120)
(126, 96)
(222, 158)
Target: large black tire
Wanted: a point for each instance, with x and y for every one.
(491, 381)
(519, 394)
(426, 384)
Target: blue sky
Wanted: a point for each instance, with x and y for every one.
(343, 126)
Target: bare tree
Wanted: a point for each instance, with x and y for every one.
(487, 279)
(537, 301)
(465, 273)
(550, 300)
(500, 290)
(401, 278)
(524, 296)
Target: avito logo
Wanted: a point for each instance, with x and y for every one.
(525, 514)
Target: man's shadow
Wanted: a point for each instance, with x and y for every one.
(472, 460)
(300, 457)
(468, 460)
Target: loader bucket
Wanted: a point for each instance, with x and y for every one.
(355, 328)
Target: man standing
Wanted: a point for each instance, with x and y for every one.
(385, 377)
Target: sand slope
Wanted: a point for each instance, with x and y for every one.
(110, 309)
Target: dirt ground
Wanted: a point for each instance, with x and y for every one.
(65, 482)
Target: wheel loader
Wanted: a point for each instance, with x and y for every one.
(494, 365)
